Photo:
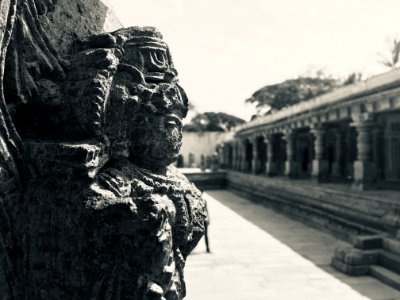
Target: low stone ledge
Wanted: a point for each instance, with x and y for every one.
(367, 242)
(353, 270)
(352, 256)
(366, 213)
(208, 180)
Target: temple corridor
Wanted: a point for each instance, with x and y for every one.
(258, 254)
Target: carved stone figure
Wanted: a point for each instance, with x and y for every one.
(91, 205)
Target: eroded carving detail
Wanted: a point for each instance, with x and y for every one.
(100, 213)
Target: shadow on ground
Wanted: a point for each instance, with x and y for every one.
(314, 245)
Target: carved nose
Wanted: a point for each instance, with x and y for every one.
(167, 102)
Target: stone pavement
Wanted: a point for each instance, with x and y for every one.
(258, 254)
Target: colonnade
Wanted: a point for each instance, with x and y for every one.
(347, 151)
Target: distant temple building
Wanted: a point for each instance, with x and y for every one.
(332, 162)
(199, 147)
(349, 135)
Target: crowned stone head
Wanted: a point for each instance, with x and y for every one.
(128, 95)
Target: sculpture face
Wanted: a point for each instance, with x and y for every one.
(155, 132)
(154, 103)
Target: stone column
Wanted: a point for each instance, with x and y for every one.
(229, 156)
(241, 160)
(237, 161)
(377, 151)
(224, 156)
(290, 164)
(319, 164)
(254, 161)
(221, 156)
(245, 163)
(336, 167)
(364, 169)
(234, 156)
(270, 167)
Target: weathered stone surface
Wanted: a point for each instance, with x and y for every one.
(352, 256)
(354, 270)
(367, 242)
(91, 207)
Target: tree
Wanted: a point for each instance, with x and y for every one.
(211, 121)
(353, 78)
(292, 91)
(393, 59)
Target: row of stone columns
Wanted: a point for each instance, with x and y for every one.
(364, 167)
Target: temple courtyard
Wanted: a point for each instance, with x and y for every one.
(258, 254)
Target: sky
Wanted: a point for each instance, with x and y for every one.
(226, 50)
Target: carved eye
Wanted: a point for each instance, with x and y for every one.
(173, 120)
(160, 57)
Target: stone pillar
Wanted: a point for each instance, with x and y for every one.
(319, 164)
(245, 166)
(234, 156)
(227, 147)
(270, 167)
(290, 164)
(221, 156)
(336, 167)
(241, 159)
(364, 169)
(254, 161)
(377, 151)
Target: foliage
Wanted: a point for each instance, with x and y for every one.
(353, 78)
(393, 60)
(211, 121)
(292, 91)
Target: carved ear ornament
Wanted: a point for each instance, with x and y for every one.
(136, 74)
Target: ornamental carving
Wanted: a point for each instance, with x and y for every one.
(91, 205)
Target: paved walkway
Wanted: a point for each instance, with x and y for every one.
(258, 254)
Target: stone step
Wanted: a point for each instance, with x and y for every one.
(306, 210)
(391, 245)
(386, 276)
(389, 261)
(352, 270)
(368, 242)
(296, 197)
(370, 212)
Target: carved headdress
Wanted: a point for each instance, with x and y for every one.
(119, 83)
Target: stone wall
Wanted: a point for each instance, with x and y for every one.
(343, 212)
(208, 180)
(201, 143)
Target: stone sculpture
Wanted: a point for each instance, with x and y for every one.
(91, 206)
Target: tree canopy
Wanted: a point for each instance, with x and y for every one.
(292, 91)
(212, 121)
(392, 60)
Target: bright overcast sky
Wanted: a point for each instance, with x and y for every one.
(226, 50)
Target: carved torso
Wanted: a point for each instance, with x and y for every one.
(166, 207)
